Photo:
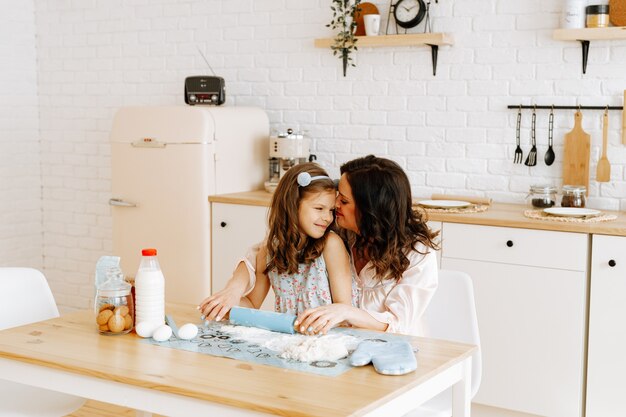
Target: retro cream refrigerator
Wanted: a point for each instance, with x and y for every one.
(166, 161)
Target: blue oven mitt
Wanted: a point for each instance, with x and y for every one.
(389, 358)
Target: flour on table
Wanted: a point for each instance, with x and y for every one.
(313, 348)
(302, 348)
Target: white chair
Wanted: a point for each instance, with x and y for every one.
(451, 315)
(25, 297)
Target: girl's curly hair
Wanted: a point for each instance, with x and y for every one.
(285, 246)
(388, 225)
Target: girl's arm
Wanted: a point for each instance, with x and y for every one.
(255, 298)
(338, 265)
(217, 306)
(322, 319)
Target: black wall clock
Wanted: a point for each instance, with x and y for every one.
(409, 13)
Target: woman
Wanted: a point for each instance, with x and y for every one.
(392, 256)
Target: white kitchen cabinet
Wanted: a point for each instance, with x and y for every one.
(530, 290)
(606, 366)
(235, 228)
(437, 227)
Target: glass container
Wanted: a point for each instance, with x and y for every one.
(114, 304)
(574, 196)
(541, 196)
(597, 16)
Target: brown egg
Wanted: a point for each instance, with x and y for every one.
(128, 322)
(116, 323)
(106, 307)
(103, 317)
(121, 310)
(103, 328)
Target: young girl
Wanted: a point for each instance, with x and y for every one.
(306, 263)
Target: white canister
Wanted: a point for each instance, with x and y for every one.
(573, 16)
(372, 24)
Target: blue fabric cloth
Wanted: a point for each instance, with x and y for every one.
(388, 358)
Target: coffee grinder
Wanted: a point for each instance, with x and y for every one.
(286, 150)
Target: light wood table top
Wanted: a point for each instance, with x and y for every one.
(498, 214)
(72, 344)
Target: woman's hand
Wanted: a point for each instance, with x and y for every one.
(320, 320)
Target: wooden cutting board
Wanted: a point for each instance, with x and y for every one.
(576, 156)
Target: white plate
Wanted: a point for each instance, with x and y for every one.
(572, 212)
(444, 203)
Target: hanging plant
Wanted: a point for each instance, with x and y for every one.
(344, 43)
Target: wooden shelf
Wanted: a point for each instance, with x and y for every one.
(590, 34)
(434, 40)
(410, 39)
(586, 35)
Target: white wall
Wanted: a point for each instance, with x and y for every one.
(20, 183)
(451, 132)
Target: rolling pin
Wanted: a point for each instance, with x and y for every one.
(268, 320)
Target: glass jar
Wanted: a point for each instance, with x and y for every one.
(597, 16)
(114, 304)
(574, 196)
(542, 196)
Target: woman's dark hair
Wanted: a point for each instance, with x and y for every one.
(388, 225)
(285, 246)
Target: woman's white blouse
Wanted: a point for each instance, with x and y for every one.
(402, 303)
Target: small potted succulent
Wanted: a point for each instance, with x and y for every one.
(344, 43)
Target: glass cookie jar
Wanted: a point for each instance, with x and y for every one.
(574, 196)
(541, 196)
(114, 305)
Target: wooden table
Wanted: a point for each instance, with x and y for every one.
(67, 354)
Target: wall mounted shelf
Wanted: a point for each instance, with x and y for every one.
(434, 40)
(586, 35)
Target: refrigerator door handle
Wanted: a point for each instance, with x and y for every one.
(121, 203)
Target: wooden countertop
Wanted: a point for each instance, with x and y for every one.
(72, 344)
(504, 215)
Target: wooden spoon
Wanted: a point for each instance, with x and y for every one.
(603, 173)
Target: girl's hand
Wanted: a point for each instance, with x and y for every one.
(320, 320)
(217, 306)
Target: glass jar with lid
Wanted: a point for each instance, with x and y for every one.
(114, 304)
(574, 196)
(541, 196)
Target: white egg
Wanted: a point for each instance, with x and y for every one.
(162, 333)
(146, 328)
(187, 331)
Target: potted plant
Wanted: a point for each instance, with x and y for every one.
(343, 20)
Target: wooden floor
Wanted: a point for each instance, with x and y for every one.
(98, 409)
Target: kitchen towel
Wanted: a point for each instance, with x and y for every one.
(469, 199)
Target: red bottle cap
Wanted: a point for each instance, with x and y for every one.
(148, 252)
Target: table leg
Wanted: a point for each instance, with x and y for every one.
(462, 392)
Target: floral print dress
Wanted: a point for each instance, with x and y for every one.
(307, 288)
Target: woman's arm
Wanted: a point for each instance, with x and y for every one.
(338, 266)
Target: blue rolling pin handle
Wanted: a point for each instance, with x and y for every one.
(268, 320)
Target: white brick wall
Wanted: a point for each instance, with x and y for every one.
(451, 132)
(20, 181)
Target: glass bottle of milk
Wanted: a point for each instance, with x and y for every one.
(149, 290)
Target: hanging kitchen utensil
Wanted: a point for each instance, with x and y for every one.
(624, 120)
(577, 145)
(531, 160)
(549, 158)
(603, 172)
(519, 155)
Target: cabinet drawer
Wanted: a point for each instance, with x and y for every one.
(539, 248)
